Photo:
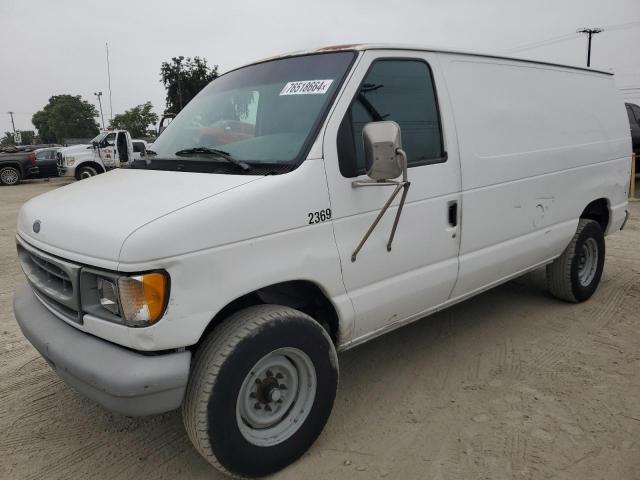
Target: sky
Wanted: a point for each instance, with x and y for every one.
(58, 47)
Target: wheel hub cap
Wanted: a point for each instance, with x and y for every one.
(588, 262)
(9, 176)
(276, 396)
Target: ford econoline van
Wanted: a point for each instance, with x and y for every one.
(302, 205)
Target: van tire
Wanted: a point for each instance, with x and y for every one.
(10, 176)
(575, 275)
(228, 362)
(86, 172)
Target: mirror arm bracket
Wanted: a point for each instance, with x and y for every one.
(402, 185)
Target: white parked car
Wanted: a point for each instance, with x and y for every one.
(303, 205)
(108, 150)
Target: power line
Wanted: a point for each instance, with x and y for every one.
(541, 43)
(19, 113)
(568, 36)
(622, 26)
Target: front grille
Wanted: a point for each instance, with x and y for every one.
(55, 282)
(59, 161)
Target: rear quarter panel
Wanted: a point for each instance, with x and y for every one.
(537, 144)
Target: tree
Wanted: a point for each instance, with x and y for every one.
(66, 116)
(7, 140)
(136, 120)
(28, 138)
(183, 78)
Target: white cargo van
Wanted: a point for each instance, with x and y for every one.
(302, 205)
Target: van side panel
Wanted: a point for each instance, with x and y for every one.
(537, 144)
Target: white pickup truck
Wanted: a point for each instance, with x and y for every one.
(109, 150)
(303, 205)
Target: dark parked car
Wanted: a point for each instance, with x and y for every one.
(633, 111)
(46, 162)
(16, 165)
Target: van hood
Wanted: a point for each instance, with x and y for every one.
(88, 221)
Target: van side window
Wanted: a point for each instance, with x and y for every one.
(398, 90)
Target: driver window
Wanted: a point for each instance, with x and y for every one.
(402, 91)
(110, 140)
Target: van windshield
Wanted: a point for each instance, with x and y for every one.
(260, 114)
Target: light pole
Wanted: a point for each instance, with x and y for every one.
(99, 94)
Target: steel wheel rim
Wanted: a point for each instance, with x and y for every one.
(276, 397)
(86, 174)
(588, 262)
(9, 176)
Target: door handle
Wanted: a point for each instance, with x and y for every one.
(452, 213)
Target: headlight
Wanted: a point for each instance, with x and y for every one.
(108, 295)
(136, 300)
(69, 161)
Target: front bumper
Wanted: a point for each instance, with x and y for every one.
(120, 379)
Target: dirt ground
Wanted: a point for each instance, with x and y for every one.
(511, 384)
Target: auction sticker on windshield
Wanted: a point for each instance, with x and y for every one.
(306, 87)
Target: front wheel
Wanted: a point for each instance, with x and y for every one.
(261, 390)
(9, 176)
(86, 172)
(575, 275)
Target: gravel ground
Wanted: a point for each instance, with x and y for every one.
(511, 384)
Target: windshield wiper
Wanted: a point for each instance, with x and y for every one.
(151, 152)
(214, 151)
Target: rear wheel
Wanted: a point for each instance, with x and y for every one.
(9, 176)
(86, 172)
(261, 390)
(575, 275)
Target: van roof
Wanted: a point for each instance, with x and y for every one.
(421, 48)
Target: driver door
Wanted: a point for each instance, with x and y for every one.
(108, 151)
(419, 273)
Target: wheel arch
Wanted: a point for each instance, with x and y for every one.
(303, 295)
(598, 210)
(16, 165)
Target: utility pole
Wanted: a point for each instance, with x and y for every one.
(590, 32)
(12, 124)
(109, 77)
(180, 85)
(99, 94)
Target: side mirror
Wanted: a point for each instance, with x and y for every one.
(384, 161)
(383, 154)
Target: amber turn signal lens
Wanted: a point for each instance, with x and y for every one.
(143, 298)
